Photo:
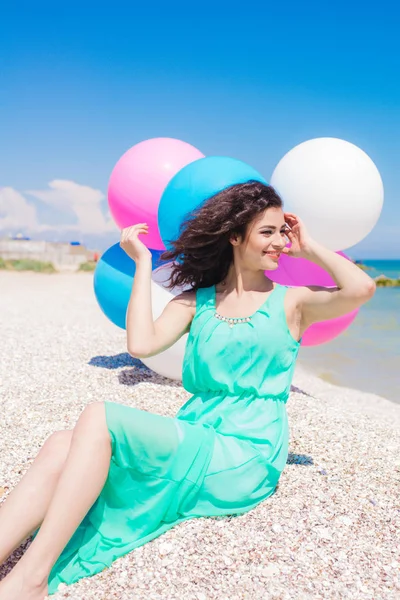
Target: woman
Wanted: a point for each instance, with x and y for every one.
(124, 476)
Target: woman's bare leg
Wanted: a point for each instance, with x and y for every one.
(24, 509)
(81, 481)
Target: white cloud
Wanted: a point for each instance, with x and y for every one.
(70, 207)
(15, 211)
(83, 201)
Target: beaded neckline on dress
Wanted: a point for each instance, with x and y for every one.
(235, 320)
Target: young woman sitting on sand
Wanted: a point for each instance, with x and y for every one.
(123, 476)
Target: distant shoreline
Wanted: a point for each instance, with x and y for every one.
(23, 266)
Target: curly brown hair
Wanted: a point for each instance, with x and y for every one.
(203, 252)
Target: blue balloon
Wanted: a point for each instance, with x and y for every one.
(113, 279)
(194, 184)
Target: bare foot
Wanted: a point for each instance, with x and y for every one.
(15, 587)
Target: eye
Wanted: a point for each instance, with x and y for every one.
(269, 232)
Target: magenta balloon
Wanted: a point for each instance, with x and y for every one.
(138, 181)
(325, 331)
(300, 271)
(297, 272)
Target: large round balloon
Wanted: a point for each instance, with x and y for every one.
(334, 187)
(139, 179)
(296, 272)
(113, 279)
(194, 184)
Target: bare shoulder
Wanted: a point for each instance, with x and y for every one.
(187, 300)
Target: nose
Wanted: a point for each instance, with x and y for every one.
(280, 241)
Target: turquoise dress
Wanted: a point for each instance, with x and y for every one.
(222, 453)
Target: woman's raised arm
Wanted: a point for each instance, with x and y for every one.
(318, 303)
(354, 287)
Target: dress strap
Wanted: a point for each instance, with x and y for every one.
(203, 299)
(276, 303)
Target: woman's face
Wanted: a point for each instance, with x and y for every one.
(264, 240)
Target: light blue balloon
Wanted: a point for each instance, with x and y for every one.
(113, 280)
(194, 184)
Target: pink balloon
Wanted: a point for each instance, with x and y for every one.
(325, 331)
(300, 271)
(139, 178)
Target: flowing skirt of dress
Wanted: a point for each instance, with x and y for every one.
(165, 470)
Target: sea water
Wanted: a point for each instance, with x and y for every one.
(367, 355)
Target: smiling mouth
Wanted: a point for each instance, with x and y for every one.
(272, 254)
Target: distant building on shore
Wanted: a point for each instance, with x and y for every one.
(65, 256)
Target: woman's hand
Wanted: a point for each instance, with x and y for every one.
(298, 237)
(131, 244)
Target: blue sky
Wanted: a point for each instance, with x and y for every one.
(83, 83)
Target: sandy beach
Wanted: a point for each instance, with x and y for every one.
(331, 529)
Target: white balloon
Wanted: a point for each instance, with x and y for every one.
(334, 187)
(170, 362)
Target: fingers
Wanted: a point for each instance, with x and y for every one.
(137, 229)
(292, 218)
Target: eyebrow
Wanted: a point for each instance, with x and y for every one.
(272, 226)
